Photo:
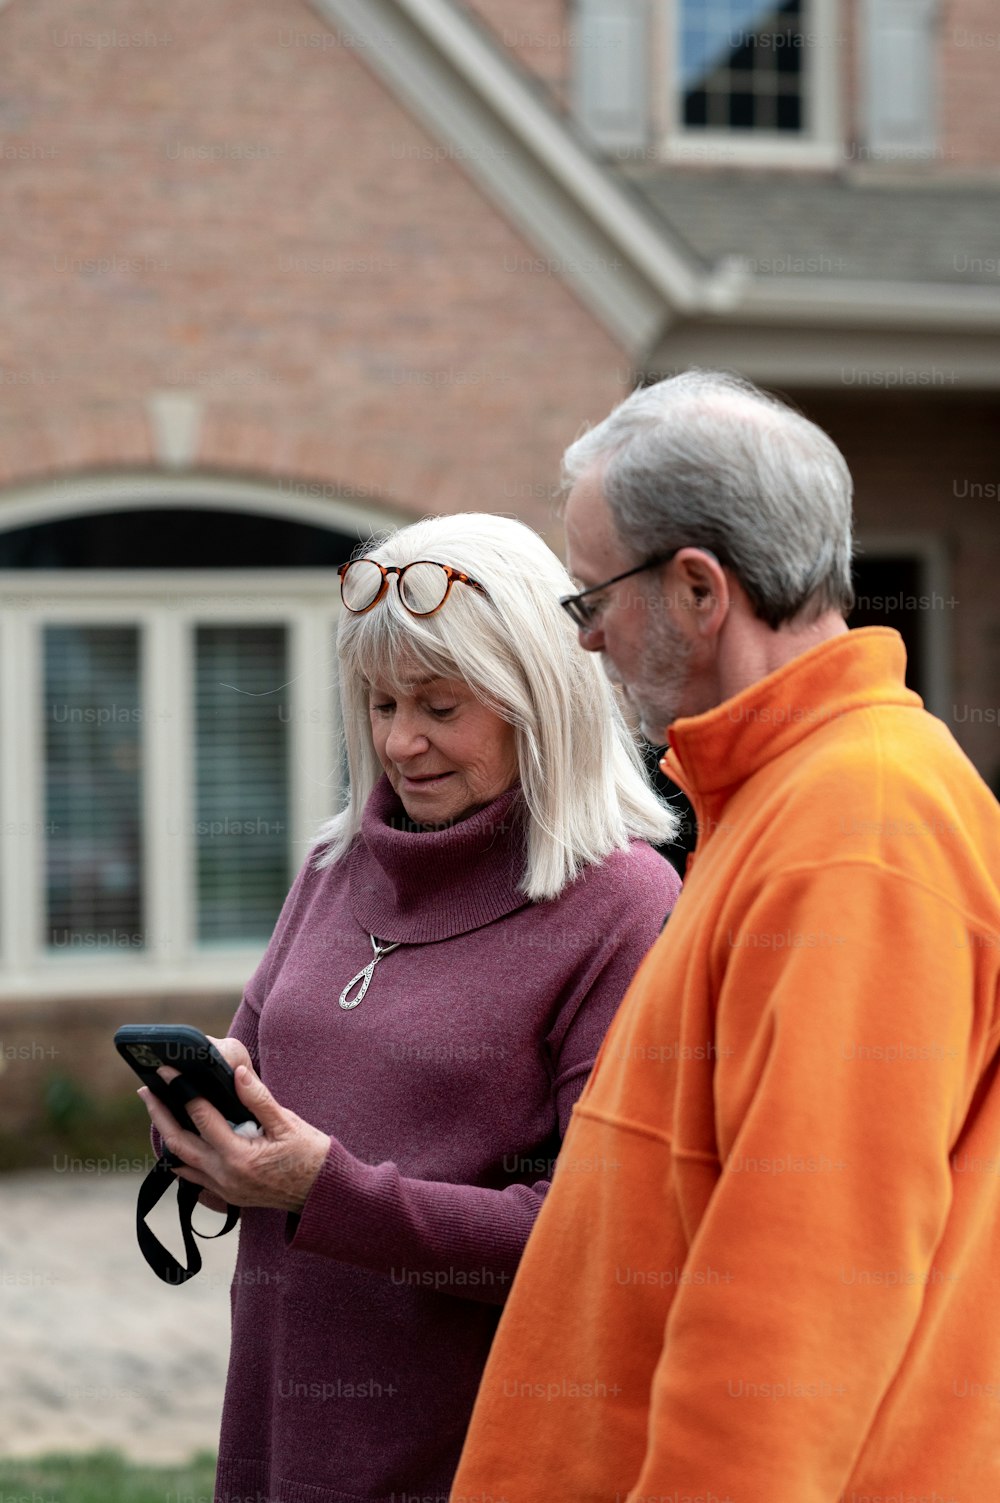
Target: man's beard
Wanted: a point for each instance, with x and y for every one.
(656, 690)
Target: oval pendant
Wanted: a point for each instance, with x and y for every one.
(364, 976)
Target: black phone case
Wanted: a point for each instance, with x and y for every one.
(204, 1072)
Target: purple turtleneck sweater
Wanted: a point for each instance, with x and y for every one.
(361, 1327)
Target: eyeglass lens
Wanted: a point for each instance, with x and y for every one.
(360, 584)
(422, 586)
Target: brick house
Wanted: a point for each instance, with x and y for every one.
(278, 274)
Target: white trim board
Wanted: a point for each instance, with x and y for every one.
(905, 305)
(838, 360)
(314, 503)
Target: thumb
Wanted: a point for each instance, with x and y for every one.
(258, 1099)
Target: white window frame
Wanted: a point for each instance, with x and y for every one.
(167, 605)
(821, 147)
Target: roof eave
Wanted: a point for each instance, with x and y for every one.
(824, 302)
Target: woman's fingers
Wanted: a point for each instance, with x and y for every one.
(176, 1138)
(277, 1170)
(254, 1094)
(233, 1051)
(163, 1120)
(212, 1125)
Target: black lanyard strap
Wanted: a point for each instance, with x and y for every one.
(160, 1259)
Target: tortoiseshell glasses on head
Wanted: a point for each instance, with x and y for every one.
(423, 586)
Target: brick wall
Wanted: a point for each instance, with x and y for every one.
(536, 32)
(232, 204)
(43, 1042)
(969, 32)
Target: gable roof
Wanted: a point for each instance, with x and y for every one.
(649, 249)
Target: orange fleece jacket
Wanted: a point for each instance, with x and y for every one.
(766, 1270)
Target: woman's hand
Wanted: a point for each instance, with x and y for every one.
(233, 1051)
(276, 1170)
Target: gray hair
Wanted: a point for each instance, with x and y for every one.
(707, 460)
(581, 773)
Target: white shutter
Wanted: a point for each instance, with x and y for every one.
(611, 80)
(899, 77)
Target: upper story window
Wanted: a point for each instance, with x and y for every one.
(711, 80)
(741, 65)
(751, 80)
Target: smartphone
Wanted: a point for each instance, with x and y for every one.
(147, 1046)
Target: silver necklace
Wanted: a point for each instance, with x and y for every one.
(366, 973)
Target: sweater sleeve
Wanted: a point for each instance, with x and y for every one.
(845, 1041)
(467, 1240)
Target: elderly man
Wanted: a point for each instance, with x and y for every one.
(766, 1268)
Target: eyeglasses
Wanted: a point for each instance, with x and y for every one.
(423, 586)
(583, 613)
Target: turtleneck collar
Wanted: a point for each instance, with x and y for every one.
(711, 755)
(417, 886)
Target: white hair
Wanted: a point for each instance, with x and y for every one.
(581, 773)
(709, 460)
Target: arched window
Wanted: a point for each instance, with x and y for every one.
(170, 730)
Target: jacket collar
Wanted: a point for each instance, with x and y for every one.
(711, 755)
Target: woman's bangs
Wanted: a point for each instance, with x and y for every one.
(386, 645)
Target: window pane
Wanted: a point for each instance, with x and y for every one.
(241, 829)
(741, 111)
(788, 60)
(93, 788)
(732, 52)
(696, 108)
(743, 58)
(789, 116)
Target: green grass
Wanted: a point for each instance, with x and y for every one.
(105, 1477)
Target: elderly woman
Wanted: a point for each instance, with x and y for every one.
(427, 1012)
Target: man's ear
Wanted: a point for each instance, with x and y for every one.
(702, 590)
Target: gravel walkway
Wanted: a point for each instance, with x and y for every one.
(94, 1350)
